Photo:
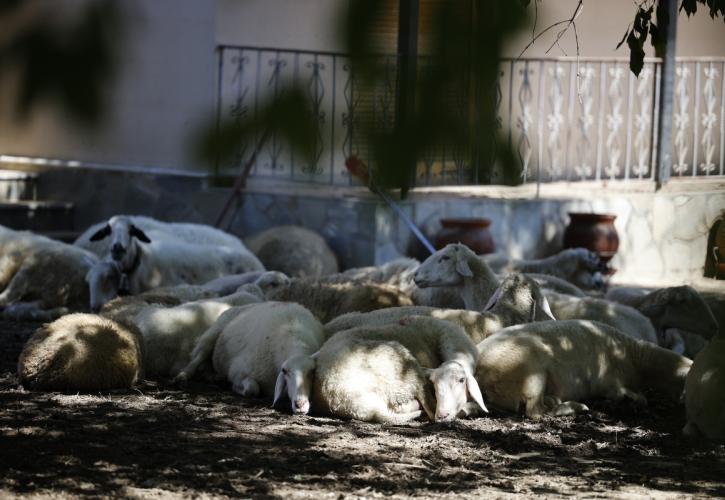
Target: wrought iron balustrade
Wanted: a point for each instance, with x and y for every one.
(566, 119)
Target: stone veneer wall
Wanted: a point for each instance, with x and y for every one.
(663, 234)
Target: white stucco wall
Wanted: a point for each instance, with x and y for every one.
(601, 25)
(289, 24)
(165, 87)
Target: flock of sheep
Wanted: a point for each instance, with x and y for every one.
(441, 339)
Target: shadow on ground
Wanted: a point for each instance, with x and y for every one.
(158, 440)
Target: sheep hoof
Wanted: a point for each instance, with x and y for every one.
(180, 380)
(690, 430)
(569, 408)
(246, 387)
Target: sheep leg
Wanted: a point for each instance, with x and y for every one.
(568, 408)
(202, 350)
(624, 393)
(690, 430)
(533, 395)
(389, 417)
(246, 387)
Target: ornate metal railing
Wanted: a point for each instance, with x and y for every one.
(566, 119)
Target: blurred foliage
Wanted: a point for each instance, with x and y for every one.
(288, 116)
(644, 26)
(62, 57)
(467, 42)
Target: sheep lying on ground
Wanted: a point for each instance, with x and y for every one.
(518, 300)
(375, 374)
(81, 352)
(295, 251)
(329, 300)
(456, 265)
(681, 317)
(164, 262)
(548, 367)
(399, 273)
(705, 392)
(575, 265)
(263, 349)
(624, 318)
(41, 278)
(120, 231)
(170, 333)
(558, 285)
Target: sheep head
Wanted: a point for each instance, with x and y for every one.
(453, 385)
(522, 295)
(295, 377)
(104, 281)
(447, 267)
(124, 236)
(271, 281)
(680, 307)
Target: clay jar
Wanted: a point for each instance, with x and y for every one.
(472, 232)
(595, 232)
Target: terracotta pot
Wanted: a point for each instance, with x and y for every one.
(471, 232)
(595, 232)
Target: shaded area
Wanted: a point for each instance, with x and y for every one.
(159, 440)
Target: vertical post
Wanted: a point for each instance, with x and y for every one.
(663, 167)
(407, 69)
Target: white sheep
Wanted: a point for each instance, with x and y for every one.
(82, 352)
(121, 230)
(295, 251)
(550, 366)
(165, 262)
(682, 319)
(374, 373)
(705, 393)
(456, 265)
(575, 265)
(170, 333)
(263, 349)
(41, 278)
(329, 300)
(518, 300)
(624, 318)
(399, 273)
(555, 284)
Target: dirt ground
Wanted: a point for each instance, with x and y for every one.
(160, 442)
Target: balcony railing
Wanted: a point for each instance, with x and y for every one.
(567, 119)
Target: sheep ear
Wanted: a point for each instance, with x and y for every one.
(494, 298)
(140, 235)
(544, 305)
(463, 268)
(279, 388)
(101, 233)
(474, 391)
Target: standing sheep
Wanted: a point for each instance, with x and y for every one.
(81, 352)
(456, 265)
(295, 251)
(548, 367)
(41, 278)
(374, 373)
(263, 349)
(705, 393)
